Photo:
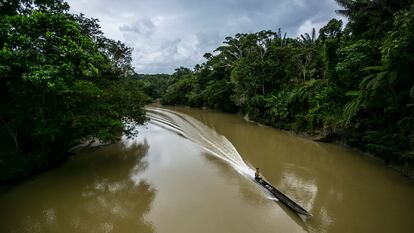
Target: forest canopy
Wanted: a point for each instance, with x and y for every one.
(61, 83)
(351, 82)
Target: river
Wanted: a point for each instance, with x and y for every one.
(189, 171)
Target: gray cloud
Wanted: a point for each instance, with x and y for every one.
(166, 34)
(144, 27)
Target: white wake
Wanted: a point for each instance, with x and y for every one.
(199, 133)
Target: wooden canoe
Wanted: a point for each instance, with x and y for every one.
(282, 197)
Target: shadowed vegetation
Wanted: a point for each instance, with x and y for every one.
(352, 82)
(61, 82)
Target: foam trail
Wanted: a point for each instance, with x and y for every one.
(196, 131)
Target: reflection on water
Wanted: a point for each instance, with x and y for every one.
(165, 182)
(197, 132)
(299, 188)
(250, 192)
(90, 193)
(345, 192)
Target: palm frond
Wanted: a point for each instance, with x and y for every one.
(352, 107)
(313, 34)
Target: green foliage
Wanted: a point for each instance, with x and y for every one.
(354, 82)
(353, 57)
(60, 84)
(177, 93)
(279, 105)
(154, 85)
(330, 37)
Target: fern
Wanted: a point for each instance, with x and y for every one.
(353, 106)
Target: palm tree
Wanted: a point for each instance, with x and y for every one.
(307, 39)
(282, 39)
(352, 7)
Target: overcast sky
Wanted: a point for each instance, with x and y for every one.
(166, 34)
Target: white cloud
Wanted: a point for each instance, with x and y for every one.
(166, 34)
(307, 27)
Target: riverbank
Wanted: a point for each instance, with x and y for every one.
(12, 175)
(142, 183)
(327, 136)
(351, 81)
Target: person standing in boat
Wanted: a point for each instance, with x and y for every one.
(257, 174)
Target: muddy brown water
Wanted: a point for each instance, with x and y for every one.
(161, 181)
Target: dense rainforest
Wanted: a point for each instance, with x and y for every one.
(350, 82)
(61, 83)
